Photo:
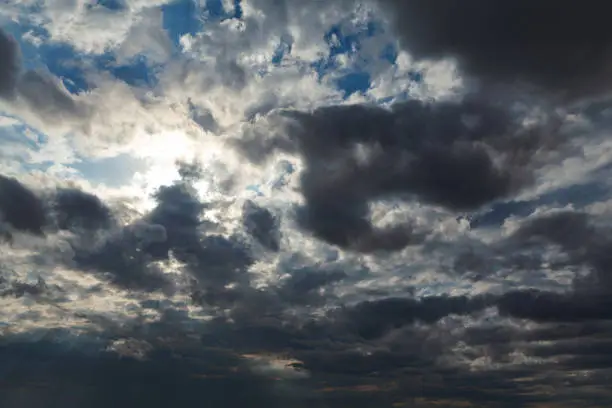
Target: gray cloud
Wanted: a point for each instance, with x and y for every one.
(459, 155)
(76, 209)
(581, 238)
(373, 319)
(65, 208)
(10, 65)
(437, 350)
(408, 338)
(122, 258)
(262, 225)
(584, 243)
(100, 378)
(211, 258)
(564, 49)
(175, 227)
(40, 91)
(20, 208)
(545, 306)
(47, 98)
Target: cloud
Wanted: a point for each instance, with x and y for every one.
(425, 341)
(76, 209)
(20, 208)
(262, 225)
(288, 203)
(111, 380)
(459, 155)
(129, 255)
(579, 237)
(48, 98)
(9, 52)
(374, 319)
(546, 306)
(38, 91)
(564, 50)
(35, 212)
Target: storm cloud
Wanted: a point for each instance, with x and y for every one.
(457, 155)
(77, 209)
(21, 208)
(30, 211)
(175, 228)
(563, 49)
(256, 232)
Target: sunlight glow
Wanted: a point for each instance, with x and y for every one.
(162, 151)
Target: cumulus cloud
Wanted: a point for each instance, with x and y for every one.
(565, 49)
(287, 203)
(262, 225)
(21, 208)
(458, 155)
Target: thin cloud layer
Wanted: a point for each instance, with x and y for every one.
(285, 203)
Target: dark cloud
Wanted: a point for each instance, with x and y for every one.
(48, 375)
(21, 208)
(175, 228)
(308, 280)
(338, 370)
(47, 97)
(545, 306)
(386, 351)
(373, 319)
(586, 245)
(459, 155)
(564, 49)
(262, 225)
(20, 289)
(65, 208)
(10, 59)
(310, 286)
(582, 238)
(77, 209)
(578, 195)
(122, 258)
(43, 93)
(211, 258)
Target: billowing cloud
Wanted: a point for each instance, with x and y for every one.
(564, 49)
(77, 209)
(289, 203)
(20, 208)
(262, 225)
(458, 155)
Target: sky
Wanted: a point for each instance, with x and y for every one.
(285, 203)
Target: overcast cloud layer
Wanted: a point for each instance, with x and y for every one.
(267, 203)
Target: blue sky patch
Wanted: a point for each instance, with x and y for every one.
(136, 73)
(180, 18)
(113, 5)
(355, 82)
(71, 66)
(113, 171)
